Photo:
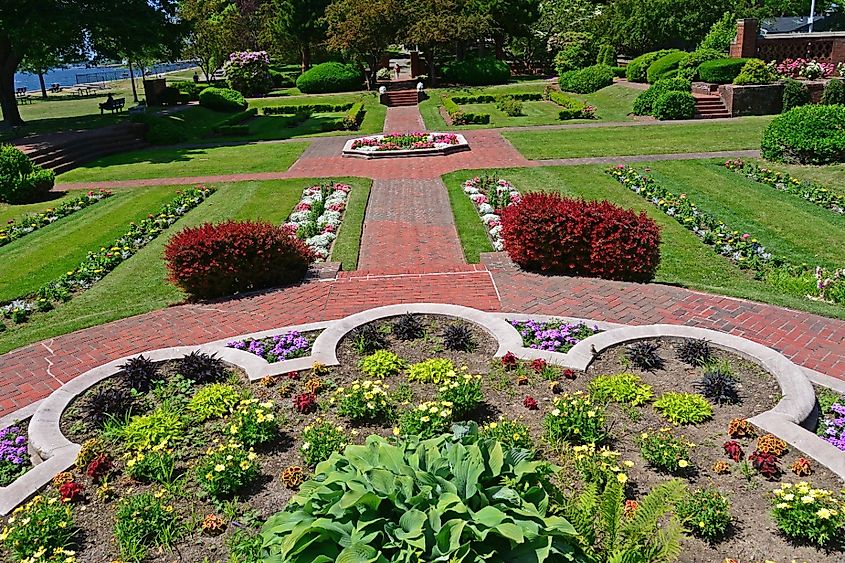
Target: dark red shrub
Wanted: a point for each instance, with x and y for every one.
(530, 403)
(766, 464)
(70, 491)
(548, 233)
(509, 361)
(214, 260)
(733, 450)
(99, 467)
(305, 403)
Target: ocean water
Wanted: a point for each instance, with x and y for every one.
(80, 74)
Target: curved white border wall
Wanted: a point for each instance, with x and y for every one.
(462, 145)
(53, 452)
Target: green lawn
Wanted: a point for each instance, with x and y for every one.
(347, 245)
(685, 260)
(740, 134)
(139, 285)
(832, 176)
(10, 212)
(178, 162)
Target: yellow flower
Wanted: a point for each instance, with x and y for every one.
(395, 431)
(251, 456)
(219, 467)
(782, 505)
(492, 425)
(807, 499)
(622, 478)
(516, 437)
(628, 463)
(683, 463)
(244, 465)
(425, 419)
(824, 514)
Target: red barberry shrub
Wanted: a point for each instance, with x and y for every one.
(548, 233)
(215, 260)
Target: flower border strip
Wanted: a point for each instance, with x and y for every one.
(326, 225)
(488, 214)
(809, 190)
(741, 249)
(97, 265)
(30, 223)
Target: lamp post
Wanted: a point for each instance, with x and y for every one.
(812, 11)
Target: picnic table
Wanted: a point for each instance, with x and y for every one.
(83, 90)
(55, 87)
(21, 96)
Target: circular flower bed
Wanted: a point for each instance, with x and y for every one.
(405, 144)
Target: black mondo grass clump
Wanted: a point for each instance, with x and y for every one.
(719, 385)
(368, 339)
(140, 373)
(644, 355)
(202, 368)
(694, 352)
(458, 337)
(98, 406)
(408, 327)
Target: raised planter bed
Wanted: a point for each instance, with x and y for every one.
(397, 145)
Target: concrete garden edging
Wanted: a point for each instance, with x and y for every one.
(348, 151)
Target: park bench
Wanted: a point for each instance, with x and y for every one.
(113, 106)
(55, 87)
(21, 96)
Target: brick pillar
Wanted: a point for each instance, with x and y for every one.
(745, 44)
(837, 53)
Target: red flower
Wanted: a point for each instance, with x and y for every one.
(294, 375)
(70, 491)
(530, 403)
(538, 365)
(569, 374)
(509, 361)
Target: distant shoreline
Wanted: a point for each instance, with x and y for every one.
(67, 76)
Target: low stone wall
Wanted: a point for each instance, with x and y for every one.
(766, 99)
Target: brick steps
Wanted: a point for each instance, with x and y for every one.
(710, 107)
(400, 98)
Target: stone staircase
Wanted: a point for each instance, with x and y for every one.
(394, 98)
(61, 152)
(708, 106)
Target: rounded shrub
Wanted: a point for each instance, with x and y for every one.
(834, 92)
(161, 130)
(637, 69)
(674, 105)
(215, 260)
(721, 71)
(607, 55)
(330, 77)
(806, 135)
(587, 80)
(479, 71)
(795, 94)
(666, 66)
(548, 233)
(754, 72)
(21, 181)
(222, 99)
(249, 72)
(688, 66)
(577, 50)
(644, 103)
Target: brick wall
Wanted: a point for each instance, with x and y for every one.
(822, 46)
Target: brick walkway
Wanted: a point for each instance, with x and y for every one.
(403, 119)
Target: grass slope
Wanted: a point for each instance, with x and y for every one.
(10, 212)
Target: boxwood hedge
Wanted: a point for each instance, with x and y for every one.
(811, 134)
(330, 77)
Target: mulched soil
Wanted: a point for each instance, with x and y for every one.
(753, 537)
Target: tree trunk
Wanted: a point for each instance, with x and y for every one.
(499, 41)
(432, 68)
(9, 62)
(305, 54)
(43, 86)
(132, 79)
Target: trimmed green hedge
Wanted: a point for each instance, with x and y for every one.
(674, 105)
(688, 67)
(311, 108)
(721, 71)
(330, 77)
(618, 71)
(490, 99)
(353, 118)
(644, 104)
(587, 80)
(459, 117)
(21, 181)
(479, 71)
(159, 130)
(666, 66)
(637, 69)
(812, 134)
(232, 130)
(234, 124)
(572, 108)
(222, 99)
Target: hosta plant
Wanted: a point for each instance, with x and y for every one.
(426, 420)
(363, 400)
(705, 513)
(435, 370)
(620, 388)
(665, 451)
(575, 419)
(320, 440)
(464, 392)
(226, 469)
(804, 513)
(381, 364)
(490, 502)
(43, 525)
(683, 408)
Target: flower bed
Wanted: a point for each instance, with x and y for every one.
(193, 457)
(741, 248)
(14, 230)
(554, 336)
(318, 215)
(99, 263)
(804, 68)
(292, 344)
(14, 458)
(489, 194)
(809, 190)
(404, 144)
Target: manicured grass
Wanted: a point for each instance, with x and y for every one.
(140, 284)
(740, 134)
(832, 176)
(613, 103)
(180, 162)
(685, 260)
(274, 127)
(347, 245)
(46, 254)
(9, 212)
(474, 238)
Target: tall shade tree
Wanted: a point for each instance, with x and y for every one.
(213, 32)
(511, 18)
(363, 30)
(298, 25)
(42, 59)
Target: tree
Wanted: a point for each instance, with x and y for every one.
(363, 30)
(39, 61)
(214, 30)
(510, 18)
(298, 24)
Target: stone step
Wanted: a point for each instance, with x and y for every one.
(709, 107)
(63, 152)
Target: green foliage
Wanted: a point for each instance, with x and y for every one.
(806, 514)
(666, 66)
(511, 433)
(478, 71)
(363, 400)
(598, 465)
(721, 71)
(426, 420)
(353, 117)
(253, 423)
(160, 130)
(21, 181)
(674, 105)
(706, 513)
(651, 534)
(192, 89)
(575, 419)
(834, 92)
(44, 523)
(460, 117)
(665, 451)
(607, 55)
(157, 465)
(637, 69)
(488, 501)
(142, 432)
(586, 80)
(795, 94)
(756, 71)
(143, 521)
(226, 469)
(214, 401)
(509, 106)
(721, 35)
(320, 440)
(644, 103)
(618, 71)
(811, 134)
(381, 364)
(577, 50)
(244, 547)
(683, 408)
(434, 370)
(222, 99)
(330, 77)
(688, 66)
(463, 392)
(625, 388)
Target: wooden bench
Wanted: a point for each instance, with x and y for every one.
(113, 106)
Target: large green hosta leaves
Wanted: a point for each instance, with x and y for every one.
(448, 499)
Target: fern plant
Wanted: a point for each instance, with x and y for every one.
(609, 535)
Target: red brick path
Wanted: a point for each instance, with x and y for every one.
(403, 119)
